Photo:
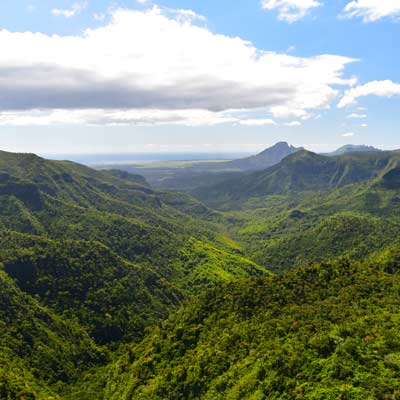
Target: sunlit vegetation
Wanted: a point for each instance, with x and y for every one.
(111, 290)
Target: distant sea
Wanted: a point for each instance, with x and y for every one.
(132, 158)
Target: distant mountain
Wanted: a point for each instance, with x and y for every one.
(301, 171)
(267, 158)
(352, 148)
(184, 178)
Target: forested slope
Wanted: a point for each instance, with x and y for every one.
(327, 331)
(39, 348)
(111, 290)
(302, 171)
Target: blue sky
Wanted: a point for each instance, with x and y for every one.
(151, 77)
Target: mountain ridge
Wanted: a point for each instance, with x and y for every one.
(352, 148)
(301, 171)
(266, 158)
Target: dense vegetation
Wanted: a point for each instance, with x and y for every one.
(328, 331)
(38, 347)
(101, 252)
(302, 171)
(111, 298)
(92, 263)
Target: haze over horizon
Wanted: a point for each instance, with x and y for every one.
(188, 76)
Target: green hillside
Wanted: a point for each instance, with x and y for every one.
(104, 252)
(283, 231)
(63, 200)
(302, 171)
(112, 290)
(328, 331)
(39, 349)
(113, 299)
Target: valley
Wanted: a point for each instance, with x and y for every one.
(226, 290)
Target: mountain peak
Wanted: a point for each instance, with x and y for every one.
(353, 148)
(267, 158)
(279, 145)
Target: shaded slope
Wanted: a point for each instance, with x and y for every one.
(38, 348)
(113, 299)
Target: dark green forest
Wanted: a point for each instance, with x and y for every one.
(276, 283)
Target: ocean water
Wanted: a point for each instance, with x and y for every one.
(132, 158)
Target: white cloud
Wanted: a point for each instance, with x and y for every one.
(293, 123)
(115, 117)
(357, 116)
(348, 134)
(376, 88)
(290, 10)
(364, 125)
(161, 60)
(372, 10)
(257, 122)
(76, 9)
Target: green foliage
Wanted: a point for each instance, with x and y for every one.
(37, 347)
(327, 331)
(294, 241)
(108, 256)
(113, 299)
(99, 258)
(302, 171)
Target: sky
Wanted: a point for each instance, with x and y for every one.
(119, 76)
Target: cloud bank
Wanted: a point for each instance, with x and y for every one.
(157, 66)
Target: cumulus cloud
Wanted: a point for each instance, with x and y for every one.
(76, 9)
(376, 88)
(159, 60)
(372, 10)
(290, 10)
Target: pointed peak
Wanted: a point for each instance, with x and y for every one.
(280, 146)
